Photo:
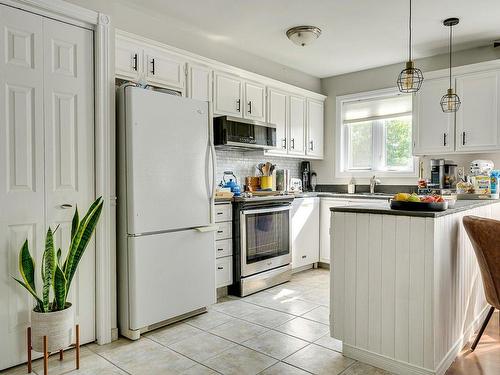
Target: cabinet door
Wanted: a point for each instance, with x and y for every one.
(164, 69)
(477, 118)
(277, 111)
(324, 226)
(69, 151)
(128, 58)
(297, 125)
(433, 130)
(255, 101)
(315, 121)
(305, 231)
(199, 85)
(228, 94)
(21, 171)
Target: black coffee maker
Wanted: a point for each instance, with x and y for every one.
(305, 173)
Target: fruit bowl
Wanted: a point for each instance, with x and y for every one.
(418, 206)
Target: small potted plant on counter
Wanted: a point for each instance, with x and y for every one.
(53, 318)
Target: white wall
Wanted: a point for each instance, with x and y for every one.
(139, 20)
(385, 77)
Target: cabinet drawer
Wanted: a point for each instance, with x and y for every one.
(223, 212)
(224, 271)
(223, 248)
(224, 230)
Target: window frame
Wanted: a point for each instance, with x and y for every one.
(342, 139)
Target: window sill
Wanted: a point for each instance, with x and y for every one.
(368, 174)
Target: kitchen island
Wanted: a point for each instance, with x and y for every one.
(406, 293)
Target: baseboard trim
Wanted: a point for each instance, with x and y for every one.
(460, 343)
(405, 368)
(383, 362)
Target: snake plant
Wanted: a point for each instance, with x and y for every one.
(54, 274)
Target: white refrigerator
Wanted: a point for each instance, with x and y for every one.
(165, 177)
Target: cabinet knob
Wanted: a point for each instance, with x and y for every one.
(220, 268)
(464, 140)
(250, 106)
(304, 256)
(292, 144)
(66, 206)
(283, 143)
(444, 139)
(153, 66)
(238, 105)
(311, 148)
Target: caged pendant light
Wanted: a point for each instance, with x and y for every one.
(450, 102)
(410, 79)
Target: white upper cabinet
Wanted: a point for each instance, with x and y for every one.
(255, 101)
(296, 113)
(128, 58)
(433, 130)
(199, 82)
(315, 125)
(297, 116)
(477, 122)
(277, 107)
(164, 68)
(228, 92)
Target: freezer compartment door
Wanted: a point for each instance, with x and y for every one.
(169, 176)
(170, 274)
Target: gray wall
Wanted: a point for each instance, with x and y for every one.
(159, 27)
(385, 77)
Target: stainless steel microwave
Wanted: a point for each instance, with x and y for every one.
(239, 133)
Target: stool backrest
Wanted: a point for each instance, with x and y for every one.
(483, 234)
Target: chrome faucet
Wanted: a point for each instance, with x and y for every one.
(374, 181)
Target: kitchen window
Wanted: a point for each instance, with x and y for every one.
(375, 134)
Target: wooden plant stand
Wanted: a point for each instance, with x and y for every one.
(46, 353)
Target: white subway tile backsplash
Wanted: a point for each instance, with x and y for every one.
(244, 164)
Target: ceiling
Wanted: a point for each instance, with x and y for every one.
(357, 34)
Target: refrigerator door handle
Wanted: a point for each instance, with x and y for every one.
(214, 168)
(208, 228)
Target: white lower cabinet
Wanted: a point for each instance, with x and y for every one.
(324, 226)
(223, 244)
(305, 231)
(224, 271)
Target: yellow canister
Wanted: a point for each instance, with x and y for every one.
(266, 182)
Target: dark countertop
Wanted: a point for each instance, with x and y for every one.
(384, 209)
(376, 196)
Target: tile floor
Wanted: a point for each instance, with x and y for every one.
(283, 330)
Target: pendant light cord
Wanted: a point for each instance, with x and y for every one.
(409, 26)
(451, 31)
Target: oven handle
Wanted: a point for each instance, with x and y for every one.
(265, 210)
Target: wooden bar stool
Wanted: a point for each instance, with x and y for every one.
(483, 234)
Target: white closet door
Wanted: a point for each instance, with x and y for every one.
(21, 170)
(69, 152)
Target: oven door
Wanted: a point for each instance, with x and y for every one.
(265, 239)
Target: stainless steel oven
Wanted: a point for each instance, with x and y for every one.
(265, 239)
(261, 243)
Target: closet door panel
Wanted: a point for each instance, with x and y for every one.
(21, 171)
(69, 152)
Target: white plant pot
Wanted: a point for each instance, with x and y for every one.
(57, 326)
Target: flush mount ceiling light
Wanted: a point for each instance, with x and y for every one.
(410, 79)
(303, 35)
(450, 102)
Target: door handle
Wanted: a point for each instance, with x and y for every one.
(238, 105)
(208, 228)
(66, 206)
(153, 66)
(134, 59)
(250, 106)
